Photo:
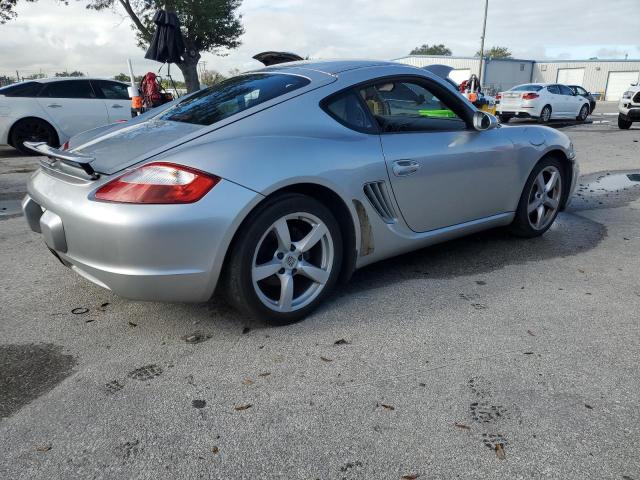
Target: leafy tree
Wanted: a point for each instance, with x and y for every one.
(496, 52)
(211, 77)
(427, 49)
(124, 77)
(75, 73)
(207, 26)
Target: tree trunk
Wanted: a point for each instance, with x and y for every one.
(189, 71)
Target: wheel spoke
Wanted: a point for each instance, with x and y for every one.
(540, 213)
(281, 230)
(540, 182)
(316, 274)
(265, 270)
(533, 206)
(551, 184)
(550, 202)
(314, 236)
(286, 292)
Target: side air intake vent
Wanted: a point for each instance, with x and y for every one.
(378, 195)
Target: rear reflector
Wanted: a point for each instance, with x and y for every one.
(158, 183)
(530, 96)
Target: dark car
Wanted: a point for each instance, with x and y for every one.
(578, 90)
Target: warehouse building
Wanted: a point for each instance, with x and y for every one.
(606, 78)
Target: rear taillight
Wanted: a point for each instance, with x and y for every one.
(530, 96)
(65, 145)
(498, 96)
(158, 183)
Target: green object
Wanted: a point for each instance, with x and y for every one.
(437, 113)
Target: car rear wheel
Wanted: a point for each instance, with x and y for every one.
(624, 124)
(32, 130)
(504, 118)
(285, 261)
(583, 114)
(545, 114)
(540, 200)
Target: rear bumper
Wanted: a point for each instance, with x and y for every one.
(142, 252)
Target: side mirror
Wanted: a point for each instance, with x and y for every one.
(484, 121)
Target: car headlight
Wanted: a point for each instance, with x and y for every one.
(627, 94)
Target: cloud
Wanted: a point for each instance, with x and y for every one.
(50, 36)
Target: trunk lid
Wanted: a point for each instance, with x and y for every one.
(121, 148)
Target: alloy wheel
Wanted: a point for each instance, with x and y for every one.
(292, 262)
(584, 113)
(544, 197)
(546, 114)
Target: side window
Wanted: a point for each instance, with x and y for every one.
(553, 89)
(564, 90)
(581, 91)
(348, 110)
(68, 89)
(27, 89)
(112, 90)
(406, 106)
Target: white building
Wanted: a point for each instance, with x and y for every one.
(608, 78)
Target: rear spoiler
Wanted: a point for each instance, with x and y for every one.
(74, 159)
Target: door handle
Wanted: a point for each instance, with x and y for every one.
(403, 168)
(116, 106)
(54, 105)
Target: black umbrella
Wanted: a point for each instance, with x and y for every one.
(167, 44)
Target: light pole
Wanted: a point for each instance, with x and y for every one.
(484, 29)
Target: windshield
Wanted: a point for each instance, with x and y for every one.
(232, 96)
(527, 88)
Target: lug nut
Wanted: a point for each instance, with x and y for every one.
(280, 255)
(281, 271)
(294, 271)
(292, 248)
(300, 258)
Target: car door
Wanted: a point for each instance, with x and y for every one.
(442, 172)
(116, 99)
(73, 105)
(558, 105)
(573, 102)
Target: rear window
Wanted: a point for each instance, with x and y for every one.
(23, 89)
(232, 96)
(527, 88)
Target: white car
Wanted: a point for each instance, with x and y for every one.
(629, 107)
(542, 101)
(53, 110)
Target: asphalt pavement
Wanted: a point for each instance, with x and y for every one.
(485, 357)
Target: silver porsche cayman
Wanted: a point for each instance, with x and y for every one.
(275, 185)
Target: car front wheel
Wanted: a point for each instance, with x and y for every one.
(583, 114)
(623, 124)
(285, 261)
(540, 200)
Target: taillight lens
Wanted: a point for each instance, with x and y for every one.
(158, 182)
(498, 96)
(530, 96)
(65, 145)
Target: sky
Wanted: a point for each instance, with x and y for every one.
(48, 36)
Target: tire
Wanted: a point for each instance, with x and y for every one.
(545, 114)
(539, 202)
(504, 118)
(624, 124)
(261, 267)
(32, 130)
(584, 113)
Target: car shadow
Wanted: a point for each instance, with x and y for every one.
(482, 253)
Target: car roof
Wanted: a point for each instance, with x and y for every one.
(59, 79)
(331, 67)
